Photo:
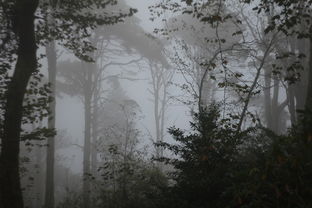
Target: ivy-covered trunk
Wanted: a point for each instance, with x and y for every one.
(23, 24)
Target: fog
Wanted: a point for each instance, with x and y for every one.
(161, 104)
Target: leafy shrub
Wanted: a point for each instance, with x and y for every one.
(216, 166)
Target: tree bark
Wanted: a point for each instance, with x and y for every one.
(11, 193)
(49, 189)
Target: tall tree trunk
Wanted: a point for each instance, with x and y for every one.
(162, 117)
(247, 100)
(125, 163)
(291, 105)
(11, 193)
(157, 116)
(38, 177)
(275, 115)
(49, 189)
(308, 102)
(301, 87)
(267, 97)
(94, 122)
(156, 84)
(94, 137)
(87, 138)
(94, 141)
(291, 89)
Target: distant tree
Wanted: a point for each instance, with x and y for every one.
(205, 39)
(161, 80)
(234, 48)
(192, 39)
(134, 43)
(293, 19)
(86, 81)
(119, 138)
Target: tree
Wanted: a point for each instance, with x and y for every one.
(294, 22)
(205, 159)
(21, 20)
(233, 55)
(118, 135)
(197, 30)
(161, 80)
(49, 187)
(26, 64)
(216, 167)
(87, 80)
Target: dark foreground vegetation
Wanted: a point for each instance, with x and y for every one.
(216, 166)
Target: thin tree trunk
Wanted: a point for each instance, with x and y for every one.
(94, 143)
(162, 118)
(49, 189)
(125, 163)
(155, 74)
(38, 178)
(200, 91)
(291, 90)
(249, 95)
(156, 115)
(87, 139)
(11, 193)
(308, 102)
(247, 100)
(291, 105)
(86, 155)
(301, 86)
(275, 115)
(94, 139)
(267, 97)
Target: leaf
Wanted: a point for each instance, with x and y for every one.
(189, 2)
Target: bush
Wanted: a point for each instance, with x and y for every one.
(215, 166)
